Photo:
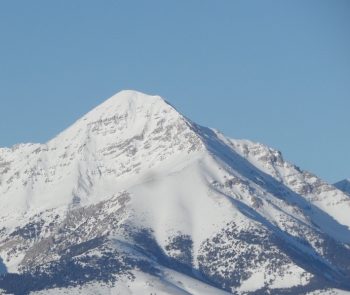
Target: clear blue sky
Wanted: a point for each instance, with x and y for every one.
(277, 72)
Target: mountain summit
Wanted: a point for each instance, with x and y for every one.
(136, 198)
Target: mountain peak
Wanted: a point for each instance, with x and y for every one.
(127, 102)
(132, 96)
(128, 134)
(133, 105)
(127, 113)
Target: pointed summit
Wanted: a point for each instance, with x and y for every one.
(128, 134)
(128, 102)
(125, 115)
(132, 96)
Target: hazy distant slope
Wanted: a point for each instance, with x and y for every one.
(343, 185)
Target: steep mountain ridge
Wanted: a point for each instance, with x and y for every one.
(90, 147)
(318, 192)
(135, 187)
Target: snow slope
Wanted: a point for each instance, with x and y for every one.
(172, 283)
(134, 192)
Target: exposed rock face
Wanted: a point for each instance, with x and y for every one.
(136, 194)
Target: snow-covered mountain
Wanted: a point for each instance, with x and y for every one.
(134, 198)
